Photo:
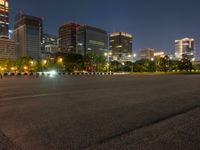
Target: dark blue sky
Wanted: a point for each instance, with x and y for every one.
(153, 23)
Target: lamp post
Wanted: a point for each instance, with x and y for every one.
(25, 68)
(108, 54)
(123, 64)
(132, 60)
(44, 63)
(60, 63)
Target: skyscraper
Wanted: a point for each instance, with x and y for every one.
(185, 47)
(68, 37)
(121, 46)
(50, 45)
(7, 49)
(92, 39)
(4, 19)
(28, 35)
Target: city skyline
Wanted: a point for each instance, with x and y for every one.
(149, 28)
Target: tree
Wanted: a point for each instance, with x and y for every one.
(185, 64)
(115, 66)
(163, 64)
(94, 62)
(144, 65)
(72, 62)
(128, 66)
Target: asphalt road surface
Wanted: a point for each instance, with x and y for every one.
(100, 112)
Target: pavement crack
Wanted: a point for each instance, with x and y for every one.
(6, 143)
(153, 122)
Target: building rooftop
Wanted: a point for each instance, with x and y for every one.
(126, 34)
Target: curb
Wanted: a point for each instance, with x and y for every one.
(60, 74)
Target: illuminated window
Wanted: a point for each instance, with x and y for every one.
(6, 4)
(1, 2)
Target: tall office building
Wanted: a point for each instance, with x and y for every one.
(92, 39)
(50, 43)
(68, 37)
(28, 35)
(121, 46)
(185, 47)
(147, 53)
(4, 19)
(7, 49)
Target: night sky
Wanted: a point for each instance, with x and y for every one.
(153, 23)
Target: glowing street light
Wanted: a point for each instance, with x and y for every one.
(44, 62)
(12, 68)
(108, 54)
(31, 62)
(193, 60)
(152, 59)
(25, 67)
(60, 60)
(2, 69)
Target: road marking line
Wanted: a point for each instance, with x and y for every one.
(32, 96)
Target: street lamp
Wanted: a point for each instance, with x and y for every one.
(12, 68)
(25, 68)
(60, 60)
(31, 62)
(132, 60)
(108, 54)
(45, 62)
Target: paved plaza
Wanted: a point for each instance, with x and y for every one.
(100, 112)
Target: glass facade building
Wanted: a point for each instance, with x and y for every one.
(92, 39)
(28, 35)
(185, 47)
(4, 19)
(50, 45)
(49, 39)
(68, 37)
(121, 44)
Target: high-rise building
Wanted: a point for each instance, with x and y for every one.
(28, 35)
(185, 47)
(121, 46)
(49, 39)
(147, 53)
(68, 37)
(7, 49)
(4, 19)
(92, 39)
(50, 45)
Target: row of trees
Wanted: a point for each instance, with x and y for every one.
(28, 64)
(96, 63)
(61, 62)
(158, 65)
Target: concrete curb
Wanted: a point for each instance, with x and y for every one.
(60, 74)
